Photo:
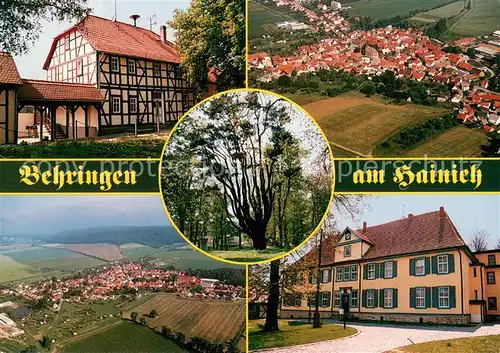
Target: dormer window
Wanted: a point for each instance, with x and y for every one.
(347, 236)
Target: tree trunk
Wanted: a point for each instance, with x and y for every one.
(258, 236)
(273, 298)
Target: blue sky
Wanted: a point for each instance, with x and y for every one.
(30, 65)
(51, 214)
(468, 212)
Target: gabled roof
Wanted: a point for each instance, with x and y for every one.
(8, 70)
(39, 90)
(424, 232)
(120, 38)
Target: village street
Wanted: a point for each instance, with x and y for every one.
(377, 339)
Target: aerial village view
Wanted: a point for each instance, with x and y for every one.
(385, 78)
(113, 286)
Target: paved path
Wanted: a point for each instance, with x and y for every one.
(377, 339)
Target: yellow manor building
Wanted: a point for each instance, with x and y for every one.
(416, 269)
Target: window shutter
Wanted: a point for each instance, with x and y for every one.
(382, 270)
(434, 264)
(451, 263)
(364, 297)
(381, 298)
(376, 297)
(413, 298)
(412, 267)
(394, 269)
(427, 265)
(428, 302)
(435, 298)
(329, 275)
(329, 298)
(377, 274)
(365, 271)
(453, 297)
(395, 297)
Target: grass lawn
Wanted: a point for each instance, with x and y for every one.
(381, 9)
(249, 255)
(483, 344)
(9, 346)
(481, 20)
(445, 11)
(117, 147)
(124, 337)
(459, 141)
(361, 123)
(291, 335)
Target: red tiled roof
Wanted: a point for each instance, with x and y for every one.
(8, 70)
(425, 232)
(37, 90)
(122, 39)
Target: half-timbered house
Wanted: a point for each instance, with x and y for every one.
(137, 71)
(9, 82)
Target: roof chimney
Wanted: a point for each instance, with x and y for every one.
(135, 17)
(410, 215)
(163, 33)
(364, 227)
(441, 211)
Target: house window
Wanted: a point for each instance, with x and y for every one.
(340, 274)
(388, 298)
(131, 67)
(156, 69)
(79, 67)
(420, 298)
(354, 298)
(347, 273)
(388, 269)
(347, 236)
(347, 251)
(185, 101)
(444, 297)
(371, 271)
(313, 278)
(475, 272)
(475, 294)
(336, 301)
(66, 43)
(311, 301)
(325, 276)
(442, 261)
(420, 267)
(325, 298)
(177, 71)
(354, 273)
(491, 277)
(116, 105)
(491, 260)
(133, 105)
(297, 300)
(370, 298)
(492, 303)
(115, 64)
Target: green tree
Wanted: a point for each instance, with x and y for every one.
(46, 343)
(30, 349)
(21, 20)
(153, 314)
(471, 53)
(210, 34)
(134, 315)
(143, 321)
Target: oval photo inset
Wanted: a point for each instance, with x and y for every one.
(247, 176)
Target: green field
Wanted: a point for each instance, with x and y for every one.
(382, 9)
(184, 259)
(123, 337)
(445, 11)
(483, 344)
(9, 346)
(482, 19)
(249, 255)
(12, 270)
(459, 141)
(360, 123)
(134, 251)
(263, 19)
(52, 258)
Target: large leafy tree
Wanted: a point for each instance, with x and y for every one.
(210, 35)
(21, 20)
